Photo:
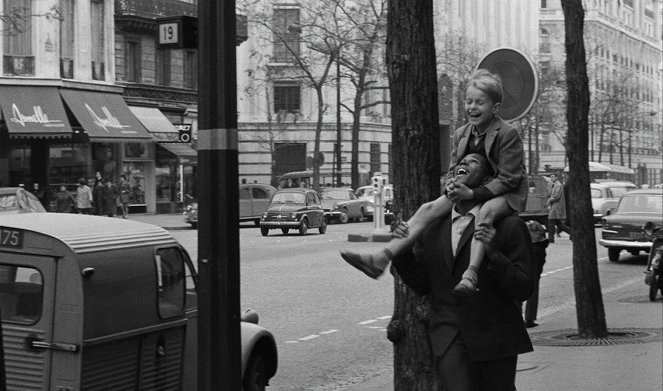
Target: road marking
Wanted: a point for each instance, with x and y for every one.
(368, 321)
(385, 317)
(571, 304)
(556, 271)
(309, 337)
(328, 332)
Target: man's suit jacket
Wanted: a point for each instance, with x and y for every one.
(504, 151)
(490, 322)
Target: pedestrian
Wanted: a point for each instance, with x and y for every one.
(83, 197)
(109, 198)
(556, 209)
(98, 194)
(539, 243)
(487, 134)
(125, 195)
(64, 202)
(475, 339)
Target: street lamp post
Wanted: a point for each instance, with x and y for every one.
(338, 119)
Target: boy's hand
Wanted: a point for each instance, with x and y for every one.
(400, 230)
(457, 191)
(486, 234)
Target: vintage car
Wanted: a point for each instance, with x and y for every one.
(95, 303)
(605, 196)
(253, 200)
(296, 208)
(14, 200)
(368, 193)
(624, 228)
(342, 204)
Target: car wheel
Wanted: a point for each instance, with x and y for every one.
(303, 227)
(264, 231)
(613, 254)
(634, 252)
(343, 217)
(255, 375)
(256, 222)
(323, 227)
(285, 230)
(653, 289)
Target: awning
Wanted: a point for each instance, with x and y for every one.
(183, 151)
(598, 167)
(153, 119)
(104, 116)
(35, 112)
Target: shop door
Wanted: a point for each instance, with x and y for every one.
(26, 302)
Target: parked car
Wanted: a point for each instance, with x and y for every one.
(91, 303)
(605, 197)
(14, 200)
(253, 200)
(368, 193)
(342, 204)
(295, 208)
(624, 228)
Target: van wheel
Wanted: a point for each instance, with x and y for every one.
(303, 227)
(613, 254)
(255, 376)
(256, 222)
(264, 231)
(323, 227)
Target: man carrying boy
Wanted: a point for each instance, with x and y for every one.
(475, 339)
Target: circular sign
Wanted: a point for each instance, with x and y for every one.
(519, 81)
(319, 159)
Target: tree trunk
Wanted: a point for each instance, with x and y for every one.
(589, 302)
(318, 133)
(416, 161)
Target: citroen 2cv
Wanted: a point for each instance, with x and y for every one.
(96, 303)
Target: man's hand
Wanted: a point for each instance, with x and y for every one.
(457, 191)
(486, 234)
(400, 230)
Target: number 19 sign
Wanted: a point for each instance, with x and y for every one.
(168, 33)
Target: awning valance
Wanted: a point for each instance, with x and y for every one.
(183, 151)
(34, 112)
(104, 116)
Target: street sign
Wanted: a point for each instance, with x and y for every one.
(184, 132)
(169, 33)
(178, 31)
(519, 81)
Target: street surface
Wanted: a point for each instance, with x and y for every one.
(329, 319)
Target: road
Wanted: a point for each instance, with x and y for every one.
(329, 319)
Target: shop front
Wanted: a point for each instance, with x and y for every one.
(54, 136)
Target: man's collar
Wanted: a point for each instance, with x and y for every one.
(474, 212)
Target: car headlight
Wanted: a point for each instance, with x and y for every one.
(335, 206)
(293, 215)
(264, 215)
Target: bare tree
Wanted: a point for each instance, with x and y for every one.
(589, 302)
(413, 84)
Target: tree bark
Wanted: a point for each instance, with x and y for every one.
(416, 159)
(589, 302)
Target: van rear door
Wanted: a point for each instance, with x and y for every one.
(27, 291)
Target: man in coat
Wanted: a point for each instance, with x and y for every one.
(557, 209)
(475, 340)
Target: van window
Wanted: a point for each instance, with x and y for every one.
(244, 193)
(21, 294)
(617, 192)
(170, 281)
(259, 193)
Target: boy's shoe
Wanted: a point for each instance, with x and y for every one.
(363, 262)
(465, 288)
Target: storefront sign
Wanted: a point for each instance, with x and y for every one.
(38, 116)
(31, 111)
(109, 121)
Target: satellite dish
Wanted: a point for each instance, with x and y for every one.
(519, 81)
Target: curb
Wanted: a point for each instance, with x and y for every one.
(369, 237)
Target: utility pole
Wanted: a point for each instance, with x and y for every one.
(338, 118)
(219, 353)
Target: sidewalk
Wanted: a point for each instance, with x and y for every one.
(612, 364)
(633, 364)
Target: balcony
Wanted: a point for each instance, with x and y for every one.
(19, 65)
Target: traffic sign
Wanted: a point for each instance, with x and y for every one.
(519, 81)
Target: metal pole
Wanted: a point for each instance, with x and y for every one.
(219, 354)
(338, 121)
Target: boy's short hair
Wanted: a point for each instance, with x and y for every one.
(489, 83)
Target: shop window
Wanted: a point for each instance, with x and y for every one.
(136, 151)
(104, 160)
(135, 174)
(170, 281)
(21, 294)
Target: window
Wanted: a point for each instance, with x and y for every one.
(191, 69)
(97, 41)
(544, 38)
(21, 293)
(163, 67)
(67, 38)
(18, 58)
(287, 98)
(544, 4)
(132, 60)
(259, 194)
(286, 34)
(244, 193)
(170, 281)
(376, 165)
